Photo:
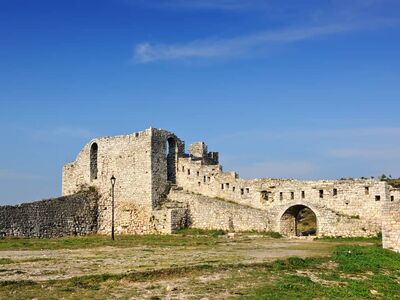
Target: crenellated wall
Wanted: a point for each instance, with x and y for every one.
(149, 163)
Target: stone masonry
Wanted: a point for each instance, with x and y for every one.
(161, 188)
(64, 216)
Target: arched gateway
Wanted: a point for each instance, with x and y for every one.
(298, 220)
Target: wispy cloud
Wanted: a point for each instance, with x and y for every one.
(61, 131)
(366, 153)
(18, 175)
(336, 133)
(279, 169)
(214, 48)
(147, 52)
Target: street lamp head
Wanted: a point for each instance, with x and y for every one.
(113, 179)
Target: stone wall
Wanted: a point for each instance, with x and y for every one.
(343, 207)
(147, 163)
(210, 213)
(391, 222)
(139, 163)
(64, 216)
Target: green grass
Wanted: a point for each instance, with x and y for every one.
(101, 241)
(5, 261)
(372, 239)
(199, 232)
(351, 272)
(362, 272)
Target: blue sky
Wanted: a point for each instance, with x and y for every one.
(304, 89)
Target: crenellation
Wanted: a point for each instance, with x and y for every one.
(160, 188)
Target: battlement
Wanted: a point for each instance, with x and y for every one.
(148, 163)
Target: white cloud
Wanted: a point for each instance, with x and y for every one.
(214, 48)
(18, 175)
(279, 169)
(60, 131)
(366, 153)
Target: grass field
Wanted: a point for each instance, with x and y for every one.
(195, 264)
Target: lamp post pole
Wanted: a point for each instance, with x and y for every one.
(113, 179)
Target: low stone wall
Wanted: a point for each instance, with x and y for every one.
(210, 213)
(391, 225)
(64, 216)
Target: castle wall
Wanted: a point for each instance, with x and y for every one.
(210, 213)
(128, 158)
(64, 216)
(351, 207)
(139, 163)
(391, 222)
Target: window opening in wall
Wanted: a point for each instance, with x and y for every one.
(204, 179)
(377, 198)
(198, 173)
(321, 194)
(208, 179)
(281, 195)
(292, 195)
(303, 194)
(227, 185)
(188, 171)
(171, 160)
(199, 183)
(242, 191)
(222, 186)
(233, 189)
(366, 189)
(265, 195)
(392, 198)
(334, 192)
(183, 168)
(247, 190)
(93, 161)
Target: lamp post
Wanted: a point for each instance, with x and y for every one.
(113, 179)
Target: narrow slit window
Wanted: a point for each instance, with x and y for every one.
(227, 185)
(204, 179)
(242, 191)
(183, 168)
(222, 186)
(292, 195)
(188, 171)
(366, 189)
(199, 183)
(233, 189)
(321, 194)
(281, 195)
(247, 190)
(198, 173)
(334, 192)
(303, 194)
(392, 198)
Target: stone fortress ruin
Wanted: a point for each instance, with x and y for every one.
(161, 188)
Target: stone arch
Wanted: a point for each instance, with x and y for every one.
(171, 153)
(94, 149)
(292, 221)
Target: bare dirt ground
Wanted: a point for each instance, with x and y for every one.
(42, 265)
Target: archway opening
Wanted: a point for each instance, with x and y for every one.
(93, 161)
(171, 160)
(299, 220)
